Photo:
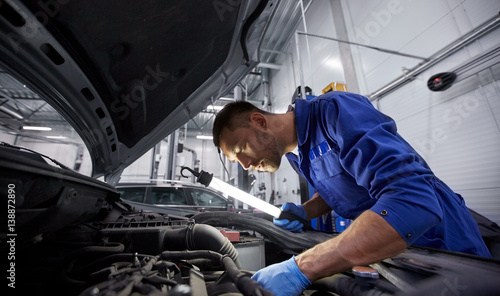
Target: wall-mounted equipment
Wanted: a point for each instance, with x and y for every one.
(441, 81)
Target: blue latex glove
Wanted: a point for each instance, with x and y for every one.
(294, 226)
(283, 279)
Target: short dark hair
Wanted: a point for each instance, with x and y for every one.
(234, 115)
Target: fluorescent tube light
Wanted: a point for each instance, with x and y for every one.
(37, 128)
(245, 197)
(208, 179)
(204, 137)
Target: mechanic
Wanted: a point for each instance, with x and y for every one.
(361, 168)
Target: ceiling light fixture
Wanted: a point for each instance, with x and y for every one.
(214, 107)
(204, 137)
(333, 63)
(37, 128)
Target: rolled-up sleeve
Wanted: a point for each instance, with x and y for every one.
(381, 161)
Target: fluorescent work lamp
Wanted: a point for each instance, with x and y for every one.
(208, 179)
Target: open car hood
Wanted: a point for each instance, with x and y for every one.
(127, 75)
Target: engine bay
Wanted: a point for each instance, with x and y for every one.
(73, 235)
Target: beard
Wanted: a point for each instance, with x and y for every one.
(271, 160)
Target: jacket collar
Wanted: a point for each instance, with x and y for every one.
(301, 120)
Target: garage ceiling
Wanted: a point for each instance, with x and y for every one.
(21, 106)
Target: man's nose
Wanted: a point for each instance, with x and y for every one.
(245, 161)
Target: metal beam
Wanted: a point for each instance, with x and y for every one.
(346, 59)
(473, 35)
(11, 112)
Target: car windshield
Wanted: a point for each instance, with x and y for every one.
(132, 193)
(205, 198)
(167, 196)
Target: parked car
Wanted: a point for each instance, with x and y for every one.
(174, 197)
(125, 75)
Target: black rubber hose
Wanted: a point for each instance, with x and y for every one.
(106, 261)
(110, 248)
(206, 237)
(243, 281)
(200, 237)
(246, 27)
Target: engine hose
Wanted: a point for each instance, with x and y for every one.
(106, 261)
(200, 237)
(109, 248)
(243, 281)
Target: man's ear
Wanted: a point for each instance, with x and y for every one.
(258, 119)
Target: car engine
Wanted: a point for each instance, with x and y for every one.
(137, 254)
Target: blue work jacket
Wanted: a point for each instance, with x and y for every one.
(354, 158)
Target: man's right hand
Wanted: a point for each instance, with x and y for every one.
(295, 225)
(283, 279)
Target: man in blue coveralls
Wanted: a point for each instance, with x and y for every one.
(362, 169)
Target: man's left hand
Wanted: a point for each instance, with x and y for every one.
(283, 279)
